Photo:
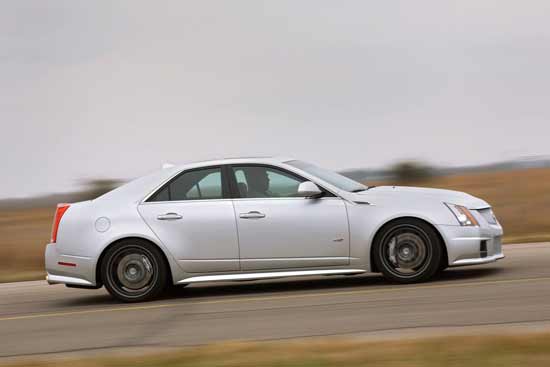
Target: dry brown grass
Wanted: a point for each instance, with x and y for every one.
(488, 351)
(521, 200)
(24, 235)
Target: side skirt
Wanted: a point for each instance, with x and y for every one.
(269, 275)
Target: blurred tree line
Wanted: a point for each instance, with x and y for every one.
(94, 188)
(405, 172)
(91, 189)
(411, 171)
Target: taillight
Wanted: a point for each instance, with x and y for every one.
(61, 209)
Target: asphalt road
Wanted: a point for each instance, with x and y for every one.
(39, 319)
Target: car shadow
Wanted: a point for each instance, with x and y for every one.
(469, 273)
(95, 297)
(243, 288)
(275, 286)
(317, 283)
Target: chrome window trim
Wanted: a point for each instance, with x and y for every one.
(184, 201)
(288, 198)
(236, 199)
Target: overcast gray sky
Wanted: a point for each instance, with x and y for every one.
(114, 89)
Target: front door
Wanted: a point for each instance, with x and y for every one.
(194, 217)
(277, 229)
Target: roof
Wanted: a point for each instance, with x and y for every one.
(236, 160)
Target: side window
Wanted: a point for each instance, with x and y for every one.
(162, 195)
(265, 182)
(194, 185)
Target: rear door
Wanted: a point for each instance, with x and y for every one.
(278, 229)
(193, 216)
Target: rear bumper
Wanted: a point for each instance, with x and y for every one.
(69, 269)
(472, 245)
(60, 279)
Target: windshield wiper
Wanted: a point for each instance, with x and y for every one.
(359, 190)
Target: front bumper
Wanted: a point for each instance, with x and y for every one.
(472, 245)
(69, 269)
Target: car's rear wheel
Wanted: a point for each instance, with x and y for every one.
(407, 251)
(134, 270)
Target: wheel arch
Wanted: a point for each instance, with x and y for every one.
(99, 281)
(388, 223)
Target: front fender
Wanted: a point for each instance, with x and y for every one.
(366, 220)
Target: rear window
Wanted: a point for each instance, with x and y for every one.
(200, 184)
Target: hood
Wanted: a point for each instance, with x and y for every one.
(420, 193)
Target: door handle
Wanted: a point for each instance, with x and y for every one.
(169, 216)
(252, 215)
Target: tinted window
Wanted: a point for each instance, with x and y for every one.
(193, 185)
(264, 182)
(162, 195)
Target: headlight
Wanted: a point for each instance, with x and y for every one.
(489, 216)
(463, 215)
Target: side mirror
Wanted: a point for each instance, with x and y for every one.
(309, 189)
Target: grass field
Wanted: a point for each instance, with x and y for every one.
(521, 200)
(24, 235)
(488, 351)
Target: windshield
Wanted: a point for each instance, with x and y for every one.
(333, 178)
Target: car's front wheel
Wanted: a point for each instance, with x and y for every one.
(407, 251)
(134, 270)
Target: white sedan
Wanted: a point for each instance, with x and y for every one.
(260, 218)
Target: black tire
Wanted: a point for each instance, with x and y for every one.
(442, 266)
(407, 251)
(134, 270)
